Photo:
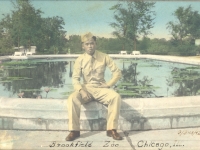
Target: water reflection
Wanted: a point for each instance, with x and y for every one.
(19, 77)
(187, 81)
(130, 86)
(140, 78)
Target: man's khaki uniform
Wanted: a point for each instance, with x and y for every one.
(92, 69)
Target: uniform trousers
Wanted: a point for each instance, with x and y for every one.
(105, 96)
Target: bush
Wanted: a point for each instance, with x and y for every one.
(6, 51)
(158, 49)
(186, 50)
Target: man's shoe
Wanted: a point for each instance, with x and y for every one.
(113, 133)
(72, 135)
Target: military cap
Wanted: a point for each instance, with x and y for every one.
(87, 36)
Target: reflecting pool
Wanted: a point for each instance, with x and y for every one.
(142, 78)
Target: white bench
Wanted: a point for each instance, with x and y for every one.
(123, 52)
(18, 54)
(29, 53)
(135, 53)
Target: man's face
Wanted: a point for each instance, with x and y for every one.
(89, 46)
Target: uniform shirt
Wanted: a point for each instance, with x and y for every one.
(92, 69)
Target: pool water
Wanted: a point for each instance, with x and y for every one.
(142, 78)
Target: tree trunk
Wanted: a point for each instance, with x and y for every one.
(135, 46)
(29, 47)
(18, 43)
(181, 41)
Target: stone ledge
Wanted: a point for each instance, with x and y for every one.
(146, 56)
(135, 114)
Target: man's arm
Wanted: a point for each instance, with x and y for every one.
(76, 75)
(76, 81)
(116, 72)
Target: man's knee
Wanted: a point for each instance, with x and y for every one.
(74, 97)
(116, 96)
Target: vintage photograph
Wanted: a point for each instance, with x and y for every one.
(99, 75)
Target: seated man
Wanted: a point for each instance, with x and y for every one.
(91, 67)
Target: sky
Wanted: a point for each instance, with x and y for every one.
(95, 16)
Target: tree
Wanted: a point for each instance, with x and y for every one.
(74, 44)
(187, 24)
(23, 23)
(121, 25)
(6, 43)
(53, 34)
(134, 18)
(26, 27)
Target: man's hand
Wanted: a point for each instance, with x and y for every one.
(86, 96)
(103, 85)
